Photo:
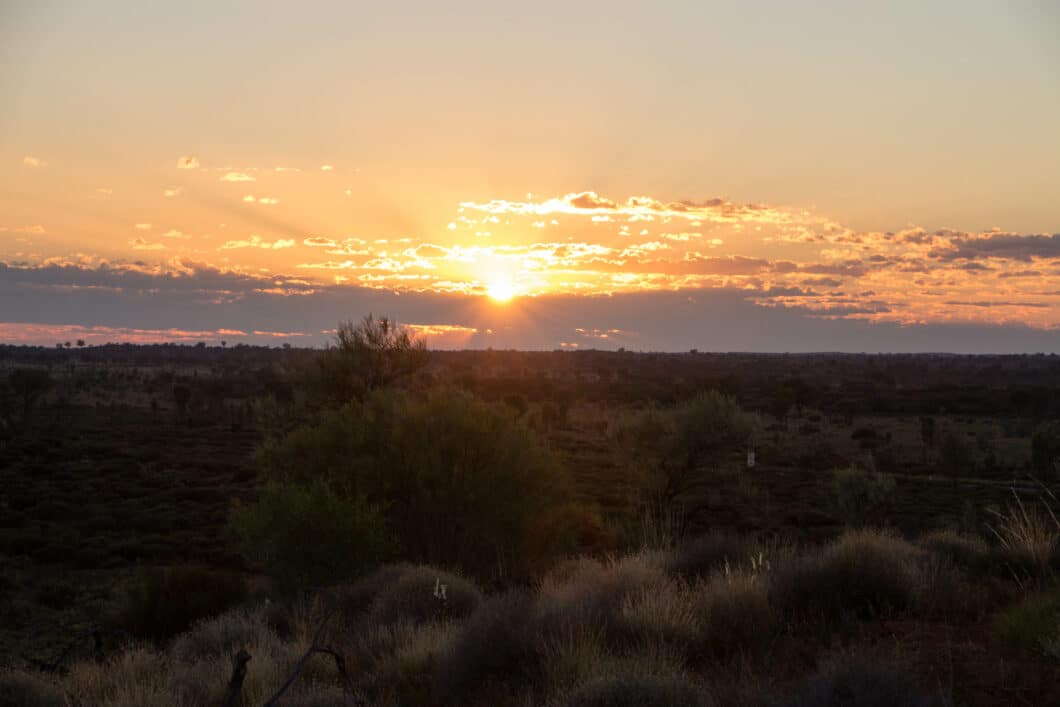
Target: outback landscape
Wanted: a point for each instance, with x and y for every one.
(383, 524)
(551, 354)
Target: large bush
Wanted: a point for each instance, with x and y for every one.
(675, 446)
(462, 483)
(306, 534)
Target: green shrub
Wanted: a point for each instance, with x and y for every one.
(461, 482)
(965, 551)
(1032, 624)
(862, 574)
(639, 691)
(860, 684)
(159, 603)
(307, 535)
(862, 497)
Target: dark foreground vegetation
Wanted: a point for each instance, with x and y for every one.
(379, 524)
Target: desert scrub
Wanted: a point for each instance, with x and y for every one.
(421, 593)
(159, 603)
(861, 496)
(639, 691)
(707, 554)
(223, 636)
(968, 552)
(1032, 624)
(863, 574)
(860, 683)
(495, 645)
(306, 535)
(734, 615)
(24, 689)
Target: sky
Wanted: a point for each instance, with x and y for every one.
(770, 176)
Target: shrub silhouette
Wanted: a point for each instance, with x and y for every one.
(673, 447)
(462, 484)
(367, 356)
(307, 535)
(862, 574)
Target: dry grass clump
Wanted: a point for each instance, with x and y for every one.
(863, 574)
(1028, 535)
(404, 592)
(591, 590)
(968, 552)
(223, 635)
(660, 613)
(734, 615)
(707, 554)
(494, 645)
(404, 673)
(421, 594)
(860, 683)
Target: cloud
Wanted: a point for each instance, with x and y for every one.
(237, 177)
(1012, 246)
(170, 193)
(198, 298)
(143, 227)
(141, 244)
(187, 163)
(257, 242)
(36, 229)
(33, 162)
(326, 168)
(320, 242)
(264, 200)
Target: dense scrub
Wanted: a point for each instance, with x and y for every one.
(630, 630)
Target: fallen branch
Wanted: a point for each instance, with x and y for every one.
(233, 694)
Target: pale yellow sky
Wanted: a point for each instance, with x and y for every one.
(902, 160)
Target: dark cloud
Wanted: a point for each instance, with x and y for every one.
(1001, 245)
(198, 297)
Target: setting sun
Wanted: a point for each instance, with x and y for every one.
(501, 290)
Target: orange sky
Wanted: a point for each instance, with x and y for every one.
(500, 157)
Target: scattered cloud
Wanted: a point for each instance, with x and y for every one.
(237, 177)
(264, 200)
(258, 242)
(326, 167)
(141, 244)
(175, 191)
(143, 227)
(33, 162)
(187, 163)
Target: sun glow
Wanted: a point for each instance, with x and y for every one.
(500, 290)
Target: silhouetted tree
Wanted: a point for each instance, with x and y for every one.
(80, 343)
(677, 445)
(370, 355)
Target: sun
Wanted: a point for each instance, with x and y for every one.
(500, 290)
